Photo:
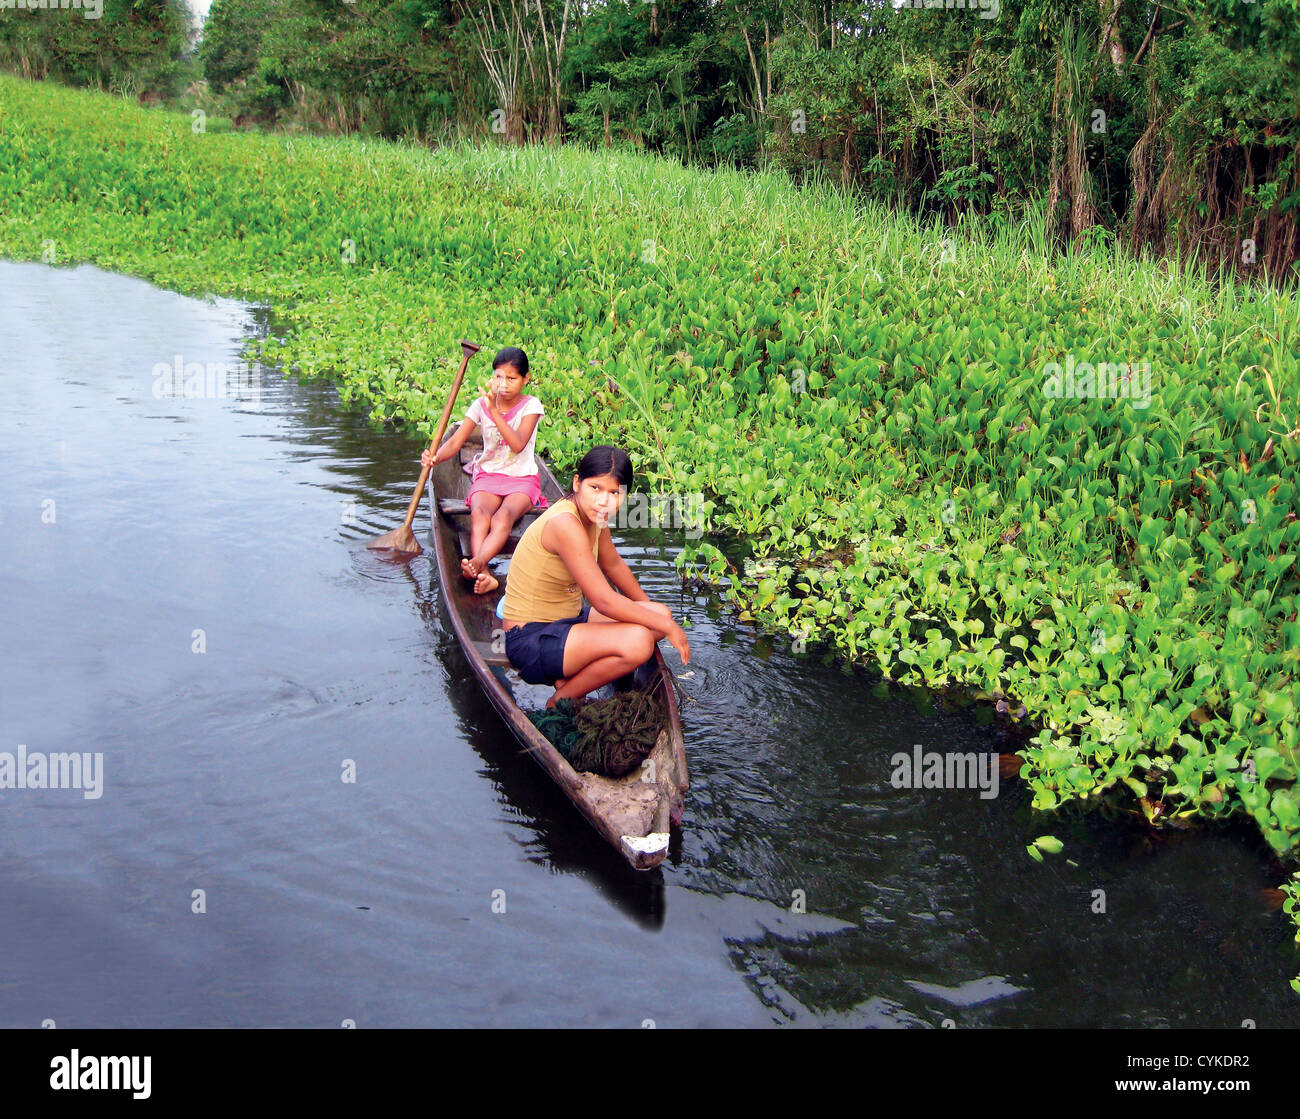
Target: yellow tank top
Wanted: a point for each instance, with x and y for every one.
(539, 586)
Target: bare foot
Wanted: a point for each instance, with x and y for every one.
(486, 583)
(468, 570)
(575, 702)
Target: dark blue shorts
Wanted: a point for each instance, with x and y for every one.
(537, 649)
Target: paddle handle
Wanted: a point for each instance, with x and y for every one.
(468, 350)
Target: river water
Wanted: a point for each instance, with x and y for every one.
(186, 593)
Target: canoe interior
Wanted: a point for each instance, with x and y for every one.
(633, 813)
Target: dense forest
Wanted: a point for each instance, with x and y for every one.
(1169, 127)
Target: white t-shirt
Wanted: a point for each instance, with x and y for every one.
(496, 457)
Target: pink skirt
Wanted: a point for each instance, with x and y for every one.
(505, 484)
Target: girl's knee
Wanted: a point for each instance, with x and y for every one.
(644, 646)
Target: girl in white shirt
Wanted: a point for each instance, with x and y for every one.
(505, 483)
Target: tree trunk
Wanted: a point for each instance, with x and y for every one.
(502, 62)
(1155, 21)
(553, 52)
(847, 160)
(1054, 172)
(767, 50)
(1110, 14)
(753, 65)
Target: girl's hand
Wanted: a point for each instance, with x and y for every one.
(489, 401)
(677, 638)
(429, 459)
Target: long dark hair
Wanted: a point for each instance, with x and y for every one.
(603, 460)
(512, 355)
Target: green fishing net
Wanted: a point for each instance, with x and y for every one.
(558, 726)
(608, 736)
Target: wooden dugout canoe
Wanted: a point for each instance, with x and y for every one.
(632, 813)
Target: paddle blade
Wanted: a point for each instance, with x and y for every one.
(401, 539)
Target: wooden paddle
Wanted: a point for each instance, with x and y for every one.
(403, 539)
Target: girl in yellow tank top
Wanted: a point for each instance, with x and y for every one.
(541, 588)
(568, 553)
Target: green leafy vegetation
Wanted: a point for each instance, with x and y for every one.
(132, 47)
(1166, 127)
(871, 407)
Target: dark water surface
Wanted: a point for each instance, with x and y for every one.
(128, 522)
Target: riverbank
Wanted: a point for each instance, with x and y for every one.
(1068, 484)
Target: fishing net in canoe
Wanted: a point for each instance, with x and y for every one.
(608, 736)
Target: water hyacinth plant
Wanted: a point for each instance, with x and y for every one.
(894, 463)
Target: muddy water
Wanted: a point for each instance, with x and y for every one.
(187, 596)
